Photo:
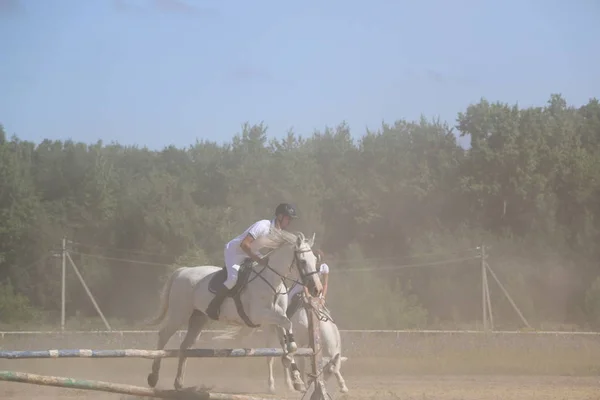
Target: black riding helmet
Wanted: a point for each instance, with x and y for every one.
(286, 209)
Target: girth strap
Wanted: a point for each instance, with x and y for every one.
(240, 309)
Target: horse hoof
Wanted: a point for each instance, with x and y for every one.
(272, 389)
(298, 384)
(152, 380)
(178, 385)
(292, 347)
(344, 390)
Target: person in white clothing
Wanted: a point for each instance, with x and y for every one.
(324, 273)
(238, 250)
(296, 290)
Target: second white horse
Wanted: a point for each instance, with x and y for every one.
(331, 345)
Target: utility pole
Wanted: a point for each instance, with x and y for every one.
(89, 293)
(484, 288)
(64, 272)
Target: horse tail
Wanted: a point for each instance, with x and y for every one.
(164, 299)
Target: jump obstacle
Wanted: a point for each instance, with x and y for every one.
(100, 386)
(151, 354)
(314, 352)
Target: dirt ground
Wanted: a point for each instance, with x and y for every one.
(412, 366)
(250, 376)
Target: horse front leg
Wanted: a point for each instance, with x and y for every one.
(290, 342)
(341, 381)
(285, 361)
(271, 379)
(272, 334)
(290, 347)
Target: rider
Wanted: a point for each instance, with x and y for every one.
(295, 293)
(238, 250)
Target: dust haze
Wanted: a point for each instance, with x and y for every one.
(452, 266)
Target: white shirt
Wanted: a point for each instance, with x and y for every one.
(256, 230)
(323, 269)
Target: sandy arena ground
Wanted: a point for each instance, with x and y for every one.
(414, 366)
(249, 376)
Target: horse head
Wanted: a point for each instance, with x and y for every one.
(291, 250)
(306, 264)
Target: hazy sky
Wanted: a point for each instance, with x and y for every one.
(160, 72)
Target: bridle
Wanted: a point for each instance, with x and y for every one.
(295, 261)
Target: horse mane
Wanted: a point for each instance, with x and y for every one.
(276, 238)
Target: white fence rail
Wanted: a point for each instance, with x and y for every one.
(422, 351)
(7, 334)
(383, 343)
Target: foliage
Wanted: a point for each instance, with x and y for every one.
(14, 307)
(528, 186)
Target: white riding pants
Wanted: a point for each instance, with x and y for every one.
(233, 260)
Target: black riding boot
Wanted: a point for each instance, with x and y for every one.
(214, 307)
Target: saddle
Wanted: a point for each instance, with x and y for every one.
(219, 277)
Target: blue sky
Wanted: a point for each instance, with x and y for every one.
(160, 72)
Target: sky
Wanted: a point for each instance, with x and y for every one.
(169, 72)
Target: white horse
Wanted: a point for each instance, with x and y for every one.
(189, 290)
(331, 346)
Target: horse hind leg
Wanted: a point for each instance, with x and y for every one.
(164, 335)
(197, 321)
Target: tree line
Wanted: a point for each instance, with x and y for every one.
(404, 195)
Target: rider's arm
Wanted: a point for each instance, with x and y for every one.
(245, 245)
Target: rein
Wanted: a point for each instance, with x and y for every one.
(303, 276)
(322, 313)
